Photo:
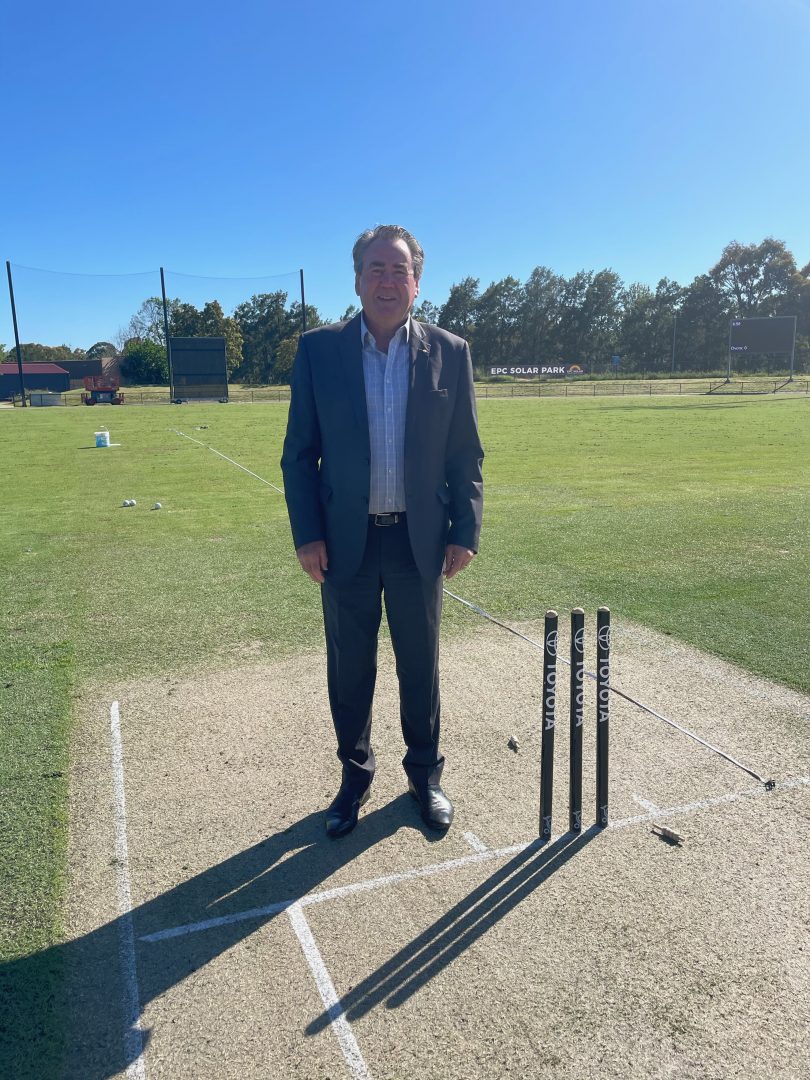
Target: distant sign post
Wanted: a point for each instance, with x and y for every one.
(775, 334)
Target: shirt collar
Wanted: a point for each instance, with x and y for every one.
(404, 330)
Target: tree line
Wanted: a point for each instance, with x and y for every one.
(549, 319)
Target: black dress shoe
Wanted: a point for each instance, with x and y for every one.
(437, 810)
(341, 816)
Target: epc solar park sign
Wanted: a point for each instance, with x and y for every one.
(538, 370)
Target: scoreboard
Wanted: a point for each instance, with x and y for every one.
(766, 335)
(199, 367)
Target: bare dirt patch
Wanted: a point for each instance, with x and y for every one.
(614, 955)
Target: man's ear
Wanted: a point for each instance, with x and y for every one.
(357, 284)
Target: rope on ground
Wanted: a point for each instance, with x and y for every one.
(769, 784)
(226, 458)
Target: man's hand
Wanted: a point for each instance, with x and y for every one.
(313, 559)
(456, 558)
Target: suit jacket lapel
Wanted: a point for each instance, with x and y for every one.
(351, 356)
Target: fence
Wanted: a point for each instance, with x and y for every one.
(656, 388)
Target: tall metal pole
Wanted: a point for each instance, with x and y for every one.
(168, 339)
(728, 375)
(303, 304)
(17, 334)
(674, 324)
(793, 349)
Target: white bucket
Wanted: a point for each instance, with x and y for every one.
(102, 438)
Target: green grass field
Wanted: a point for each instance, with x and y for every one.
(689, 515)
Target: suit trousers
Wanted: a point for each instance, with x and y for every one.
(352, 613)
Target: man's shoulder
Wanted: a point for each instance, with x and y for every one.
(435, 333)
(324, 333)
(324, 341)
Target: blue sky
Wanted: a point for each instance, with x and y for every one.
(248, 141)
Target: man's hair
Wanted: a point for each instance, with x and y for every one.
(388, 232)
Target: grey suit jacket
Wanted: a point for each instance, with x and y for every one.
(326, 457)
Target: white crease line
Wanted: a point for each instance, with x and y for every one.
(475, 843)
(702, 804)
(338, 891)
(133, 1037)
(326, 988)
(221, 920)
(646, 804)
(465, 860)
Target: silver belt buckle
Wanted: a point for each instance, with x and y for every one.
(384, 520)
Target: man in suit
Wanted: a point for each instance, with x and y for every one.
(382, 475)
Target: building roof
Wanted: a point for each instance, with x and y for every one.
(33, 369)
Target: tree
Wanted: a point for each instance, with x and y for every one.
(426, 312)
(34, 353)
(572, 331)
(754, 277)
(497, 315)
(702, 334)
(645, 338)
(349, 313)
(601, 317)
(144, 362)
(540, 317)
(147, 322)
(285, 355)
(100, 350)
(263, 321)
(458, 313)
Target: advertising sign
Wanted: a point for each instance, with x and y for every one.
(536, 371)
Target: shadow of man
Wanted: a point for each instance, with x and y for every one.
(101, 1040)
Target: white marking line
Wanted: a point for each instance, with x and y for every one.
(646, 804)
(226, 458)
(703, 804)
(454, 864)
(474, 842)
(133, 1037)
(326, 988)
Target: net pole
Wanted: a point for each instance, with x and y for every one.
(16, 334)
(168, 339)
(303, 304)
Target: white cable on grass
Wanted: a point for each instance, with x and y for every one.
(226, 458)
(769, 784)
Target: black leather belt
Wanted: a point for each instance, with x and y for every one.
(387, 519)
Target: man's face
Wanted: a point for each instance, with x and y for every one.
(386, 285)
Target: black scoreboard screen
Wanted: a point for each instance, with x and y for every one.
(199, 367)
(774, 335)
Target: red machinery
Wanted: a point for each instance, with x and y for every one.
(102, 390)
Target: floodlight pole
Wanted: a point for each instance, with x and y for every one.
(17, 334)
(303, 304)
(793, 349)
(728, 375)
(168, 339)
(674, 324)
